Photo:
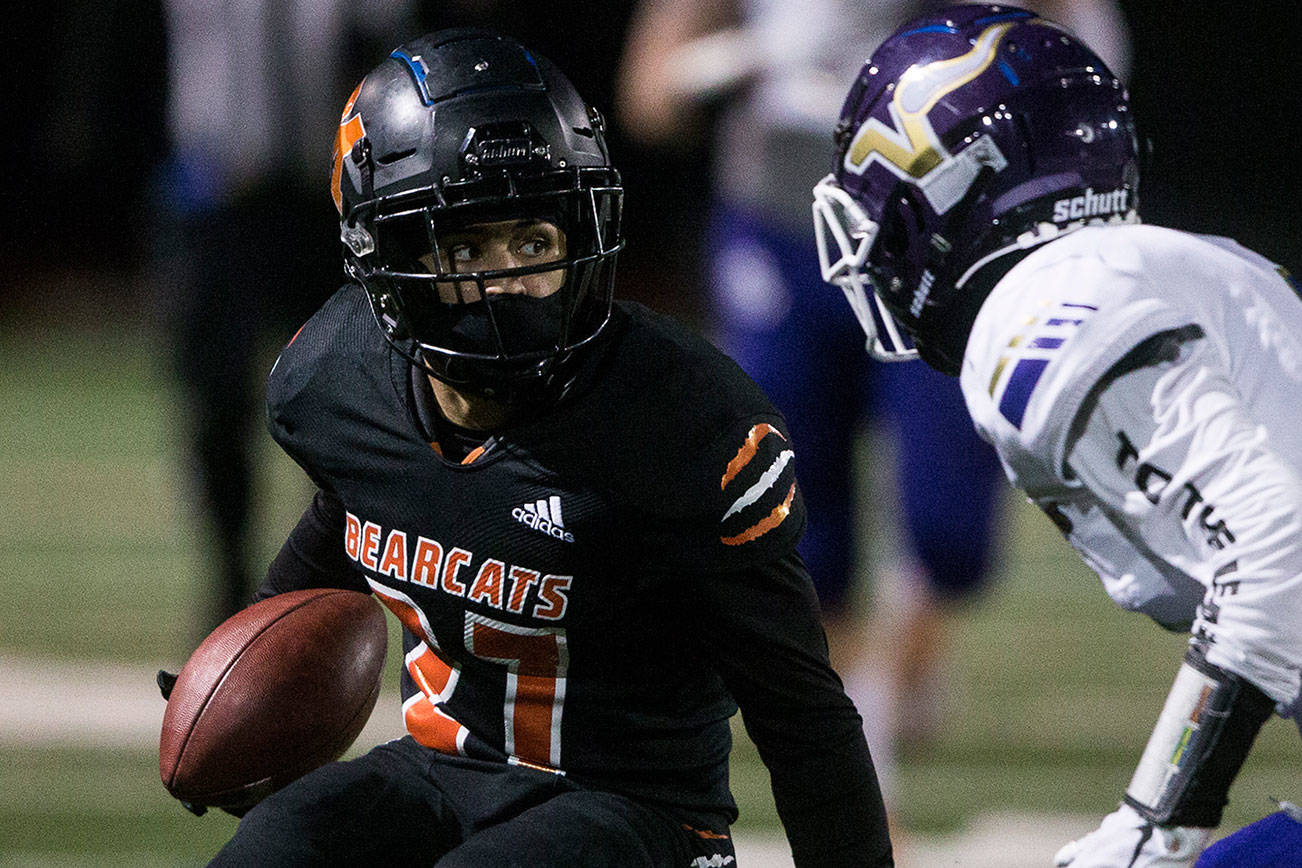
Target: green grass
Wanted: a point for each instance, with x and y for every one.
(1054, 688)
(106, 807)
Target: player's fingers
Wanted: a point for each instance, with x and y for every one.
(166, 681)
(1066, 855)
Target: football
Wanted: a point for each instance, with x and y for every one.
(277, 690)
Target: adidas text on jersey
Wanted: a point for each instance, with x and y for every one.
(543, 515)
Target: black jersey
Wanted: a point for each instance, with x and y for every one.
(592, 591)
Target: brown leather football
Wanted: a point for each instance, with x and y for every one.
(277, 690)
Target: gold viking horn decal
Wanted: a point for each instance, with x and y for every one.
(911, 147)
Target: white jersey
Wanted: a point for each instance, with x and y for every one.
(1144, 387)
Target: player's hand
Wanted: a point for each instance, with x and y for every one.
(1126, 840)
(166, 681)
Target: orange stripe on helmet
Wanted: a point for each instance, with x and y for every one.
(747, 451)
(766, 524)
(350, 132)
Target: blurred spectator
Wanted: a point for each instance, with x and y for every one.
(777, 72)
(248, 236)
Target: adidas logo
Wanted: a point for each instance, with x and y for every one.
(544, 515)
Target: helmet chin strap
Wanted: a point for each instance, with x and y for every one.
(945, 352)
(1024, 243)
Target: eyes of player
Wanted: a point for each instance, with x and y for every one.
(500, 245)
(542, 247)
(503, 244)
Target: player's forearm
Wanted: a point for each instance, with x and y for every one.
(1200, 742)
(811, 739)
(768, 644)
(830, 804)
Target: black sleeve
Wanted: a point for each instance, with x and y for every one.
(313, 556)
(767, 642)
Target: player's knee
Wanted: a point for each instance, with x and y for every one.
(1273, 840)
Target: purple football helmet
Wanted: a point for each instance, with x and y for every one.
(973, 132)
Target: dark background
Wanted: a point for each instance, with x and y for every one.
(1214, 85)
(85, 134)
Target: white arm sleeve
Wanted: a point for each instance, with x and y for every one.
(1187, 475)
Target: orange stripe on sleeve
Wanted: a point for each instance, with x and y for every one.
(747, 451)
(766, 524)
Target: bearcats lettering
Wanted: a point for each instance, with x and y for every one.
(509, 588)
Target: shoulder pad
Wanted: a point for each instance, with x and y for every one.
(337, 356)
(1049, 332)
(736, 504)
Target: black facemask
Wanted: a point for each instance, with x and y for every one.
(513, 324)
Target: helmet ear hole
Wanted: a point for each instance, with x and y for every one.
(902, 223)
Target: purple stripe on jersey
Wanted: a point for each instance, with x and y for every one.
(1062, 320)
(1021, 382)
(1046, 343)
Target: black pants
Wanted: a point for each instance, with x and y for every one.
(402, 804)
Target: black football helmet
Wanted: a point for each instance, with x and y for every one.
(463, 127)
